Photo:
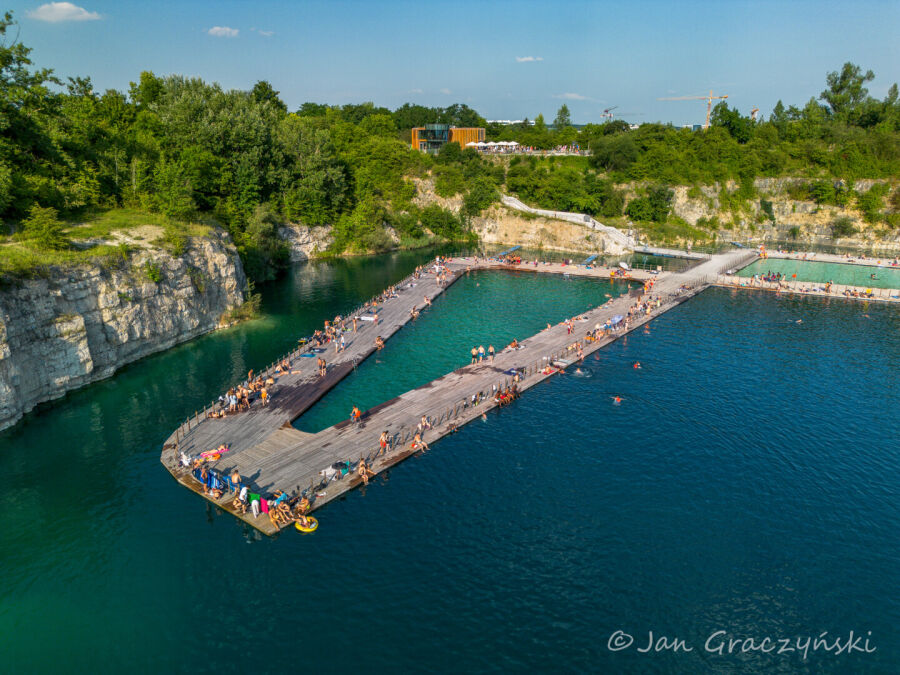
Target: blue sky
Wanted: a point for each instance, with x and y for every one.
(589, 55)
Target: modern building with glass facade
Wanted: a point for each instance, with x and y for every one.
(432, 137)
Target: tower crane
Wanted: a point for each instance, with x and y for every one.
(608, 112)
(709, 100)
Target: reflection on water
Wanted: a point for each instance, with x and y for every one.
(747, 482)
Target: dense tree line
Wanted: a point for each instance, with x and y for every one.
(842, 136)
(188, 149)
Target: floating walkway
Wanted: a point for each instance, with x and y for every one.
(270, 454)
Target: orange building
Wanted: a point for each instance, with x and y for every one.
(432, 137)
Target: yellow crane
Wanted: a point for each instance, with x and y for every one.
(709, 100)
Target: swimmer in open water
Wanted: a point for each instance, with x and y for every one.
(637, 365)
(617, 400)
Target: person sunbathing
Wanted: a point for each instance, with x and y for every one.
(303, 506)
(418, 443)
(283, 513)
(364, 471)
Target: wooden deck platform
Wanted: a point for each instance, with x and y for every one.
(270, 454)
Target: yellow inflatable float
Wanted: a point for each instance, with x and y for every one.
(311, 526)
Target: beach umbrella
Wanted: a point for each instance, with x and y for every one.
(471, 143)
(624, 265)
(617, 319)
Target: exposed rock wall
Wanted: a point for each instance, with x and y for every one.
(502, 225)
(803, 221)
(305, 242)
(80, 325)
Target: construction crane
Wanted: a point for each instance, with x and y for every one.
(709, 100)
(608, 112)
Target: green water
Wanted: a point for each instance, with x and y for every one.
(736, 488)
(482, 308)
(822, 272)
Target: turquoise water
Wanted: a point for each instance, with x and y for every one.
(482, 308)
(849, 275)
(748, 482)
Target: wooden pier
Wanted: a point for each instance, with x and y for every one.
(270, 454)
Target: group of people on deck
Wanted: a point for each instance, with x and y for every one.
(241, 398)
(279, 506)
(479, 354)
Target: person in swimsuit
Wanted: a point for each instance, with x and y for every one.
(491, 352)
(364, 471)
(418, 443)
(474, 355)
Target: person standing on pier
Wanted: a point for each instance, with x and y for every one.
(383, 442)
(474, 355)
(491, 352)
(480, 353)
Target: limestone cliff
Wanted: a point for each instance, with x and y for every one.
(79, 325)
(305, 242)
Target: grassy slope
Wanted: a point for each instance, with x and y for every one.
(102, 237)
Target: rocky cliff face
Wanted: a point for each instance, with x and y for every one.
(80, 325)
(799, 220)
(305, 242)
(501, 225)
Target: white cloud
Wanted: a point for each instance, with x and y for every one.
(572, 97)
(223, 31)
(446, 91)
(529, 59)
(57, 12)
(264, 33)
(415, 91)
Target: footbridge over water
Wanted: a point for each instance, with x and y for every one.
(270, 454)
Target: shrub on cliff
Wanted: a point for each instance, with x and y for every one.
(44, 227)
(842, 227)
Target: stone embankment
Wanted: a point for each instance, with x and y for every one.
(79, 325)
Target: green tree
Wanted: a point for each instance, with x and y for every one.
(614, 153)
(263, 92)
(739, 127)
(845, 88)
(44, 227)
(563, 118)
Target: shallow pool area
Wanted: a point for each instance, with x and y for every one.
(823, 272)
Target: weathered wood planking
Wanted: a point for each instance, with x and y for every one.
(283, 458)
